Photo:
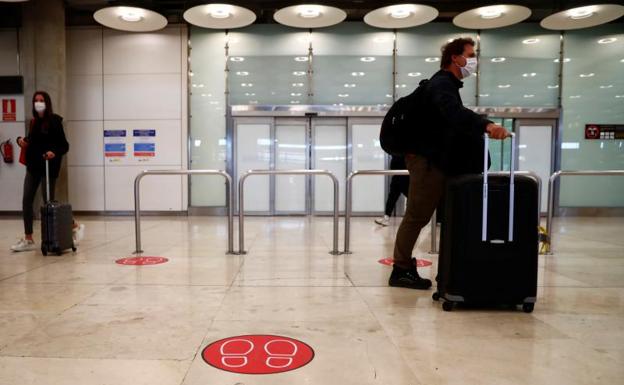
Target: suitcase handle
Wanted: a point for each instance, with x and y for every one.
(47, 163)
(512, 166)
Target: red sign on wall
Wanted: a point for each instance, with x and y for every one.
(9, 110)
(258, 354)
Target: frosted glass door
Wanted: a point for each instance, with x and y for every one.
(253, 151)
(291, 153)
(368, 191)
(329, 153)
(535, 154)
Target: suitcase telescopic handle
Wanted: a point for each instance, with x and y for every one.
(512, 166)
(47, 166)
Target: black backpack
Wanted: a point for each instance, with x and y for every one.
(400, 134)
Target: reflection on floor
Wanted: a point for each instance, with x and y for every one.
(82, 319)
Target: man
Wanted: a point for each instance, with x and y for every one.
(399, 184)
(452, 145)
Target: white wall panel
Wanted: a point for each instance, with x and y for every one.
(86, 188)
(168, 146)
(8, 53)
(86, 143)
(151, 53)
(142, 97)
(84, 97)
(157, 192)
(84, 51)
(11, 175)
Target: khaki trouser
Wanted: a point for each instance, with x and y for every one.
(425, 191)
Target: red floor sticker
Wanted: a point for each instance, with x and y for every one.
(141, 261)
(258, 354)
(419, 262)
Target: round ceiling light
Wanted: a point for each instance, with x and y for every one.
(130, 19)
(583, 17)
(310, 16)
(219, 16)
(401, 16)
(493, 16)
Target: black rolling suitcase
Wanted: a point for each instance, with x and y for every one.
(489, 240)
(56, 224)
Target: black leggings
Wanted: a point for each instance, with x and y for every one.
(31, 184)
(398, 185)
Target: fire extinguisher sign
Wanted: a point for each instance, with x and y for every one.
(9, 110)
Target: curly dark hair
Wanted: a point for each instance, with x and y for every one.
(455, 47)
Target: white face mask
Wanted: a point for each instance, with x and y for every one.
(40, 106)
(470, 67)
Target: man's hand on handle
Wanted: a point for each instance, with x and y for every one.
(497, 132)
(49, 155)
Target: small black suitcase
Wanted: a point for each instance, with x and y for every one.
(489, 240)
(56, 224)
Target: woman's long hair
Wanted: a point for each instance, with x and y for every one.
(44, 121)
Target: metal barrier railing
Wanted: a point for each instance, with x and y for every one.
(434, 242)
(551, 193)
(349, 200)
(137, 201)
(241, 201)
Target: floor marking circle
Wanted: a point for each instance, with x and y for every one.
(141, 261)
(258, 354)
(419, 262)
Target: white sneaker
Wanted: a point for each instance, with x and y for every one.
(24, 245)
(78, 233)
(384, 221)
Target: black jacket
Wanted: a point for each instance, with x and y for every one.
(43, 139)
(455, 133)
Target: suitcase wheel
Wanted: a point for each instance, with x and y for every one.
(74, 249)
(448, 305)
(59, 252)
(44, 251)
(528, 307)
(435, 296)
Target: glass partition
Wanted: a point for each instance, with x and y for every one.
(519, 67)
(593, 93)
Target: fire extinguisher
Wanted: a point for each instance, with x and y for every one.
(6, 149)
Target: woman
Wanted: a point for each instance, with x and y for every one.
(45, 141)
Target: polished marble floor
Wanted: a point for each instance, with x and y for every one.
(82, 319)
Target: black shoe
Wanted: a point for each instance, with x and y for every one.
(408, 278)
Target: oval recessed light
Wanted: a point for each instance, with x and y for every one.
(237, 59)
(299, 73)
(619, 96)
(414, 74)
(575, 96)
(357, 74)
(367, 59)
(529, 75)
(349, 85)
(504, 85)
(608, 40)
(565, 60)
(132, 19)
(219, 16)
(498, 59)
(242, 73)
(608, 86)
(583, 17)
(589, 75)
(389, 96)
(529, 95)
(301, 58)
(250, 94)
(401, 86)
(343, 95)
(401, 16)
(530, 41)
(294, 102)
(432, 59)
(493, 16)
(297, 84)
(484, 95)
(553, 87)
(309, 16)
(246, 84)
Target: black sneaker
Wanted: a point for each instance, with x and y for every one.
(408, 279)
